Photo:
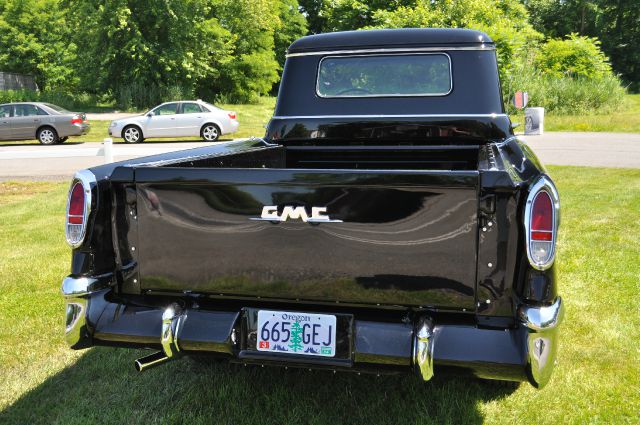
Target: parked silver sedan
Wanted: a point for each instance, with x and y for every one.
(49, 124)
(177, 119)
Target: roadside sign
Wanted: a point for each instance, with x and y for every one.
(520, 99)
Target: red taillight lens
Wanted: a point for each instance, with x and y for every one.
(77, 119)
(542, 217)
(79, 199)
(76, 205)
(232, 115)
(541, 223)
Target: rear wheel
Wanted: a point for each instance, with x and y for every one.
(210, 132)
(47, 136)
(132, 134)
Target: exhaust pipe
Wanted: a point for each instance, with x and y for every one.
(146, 362)
(172, 318)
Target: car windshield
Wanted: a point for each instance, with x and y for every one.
(385, 75)
(56, 108)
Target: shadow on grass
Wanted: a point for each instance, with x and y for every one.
(102, 387)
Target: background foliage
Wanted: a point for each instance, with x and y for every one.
(137, 53)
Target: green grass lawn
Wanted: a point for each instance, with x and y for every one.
(596, 381)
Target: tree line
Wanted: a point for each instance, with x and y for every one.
(136, 52)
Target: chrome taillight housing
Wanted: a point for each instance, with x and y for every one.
(79, 207)
(541, 222)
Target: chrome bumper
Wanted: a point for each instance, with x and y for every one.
(542, 339)
(79, 294)
(525, 352)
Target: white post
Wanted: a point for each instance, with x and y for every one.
(108, 150)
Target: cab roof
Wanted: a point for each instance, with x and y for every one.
(390, 38)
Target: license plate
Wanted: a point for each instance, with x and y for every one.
(296, 333)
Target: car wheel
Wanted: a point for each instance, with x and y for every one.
(132, 134)
(47, 136)
(210, 132)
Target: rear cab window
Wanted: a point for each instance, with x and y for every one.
(389, 75)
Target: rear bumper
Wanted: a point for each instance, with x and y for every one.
(523, 353)
(231, 127)
(75, 130)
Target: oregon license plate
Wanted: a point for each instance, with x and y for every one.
(296, 333)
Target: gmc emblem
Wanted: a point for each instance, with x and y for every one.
(318, 214)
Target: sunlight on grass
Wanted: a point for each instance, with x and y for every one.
(596, 381)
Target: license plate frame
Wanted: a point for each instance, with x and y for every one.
(296, 333)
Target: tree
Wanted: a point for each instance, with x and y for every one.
(34, 40)
(145, 47)
(251, 68)
(312, 11)
(344, 15)
(619, 31)
(293, 25)
(505, 21)
(616, 23)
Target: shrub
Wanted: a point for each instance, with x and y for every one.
(565, 94)
(576, 56)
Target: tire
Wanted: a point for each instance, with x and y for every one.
(132, 134)
(47, 136)
(210, 132)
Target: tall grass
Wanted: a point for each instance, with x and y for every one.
(566, 95)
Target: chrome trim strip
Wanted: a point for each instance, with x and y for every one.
(423, 346)
(88, 181)
(493, 115)
(544, 183)
(543, 317)
(386, 95)
(392, 50)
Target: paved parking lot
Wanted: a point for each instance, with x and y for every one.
(60, 162)
(619, 150)
(36, 162)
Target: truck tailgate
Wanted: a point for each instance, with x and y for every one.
(404, 237)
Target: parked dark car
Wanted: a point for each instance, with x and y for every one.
(45, 122)
(389, 221)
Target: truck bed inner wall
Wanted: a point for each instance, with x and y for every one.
(407, 237)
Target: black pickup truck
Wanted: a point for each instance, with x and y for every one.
(389, 221)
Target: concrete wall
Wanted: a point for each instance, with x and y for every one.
(10, 81)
